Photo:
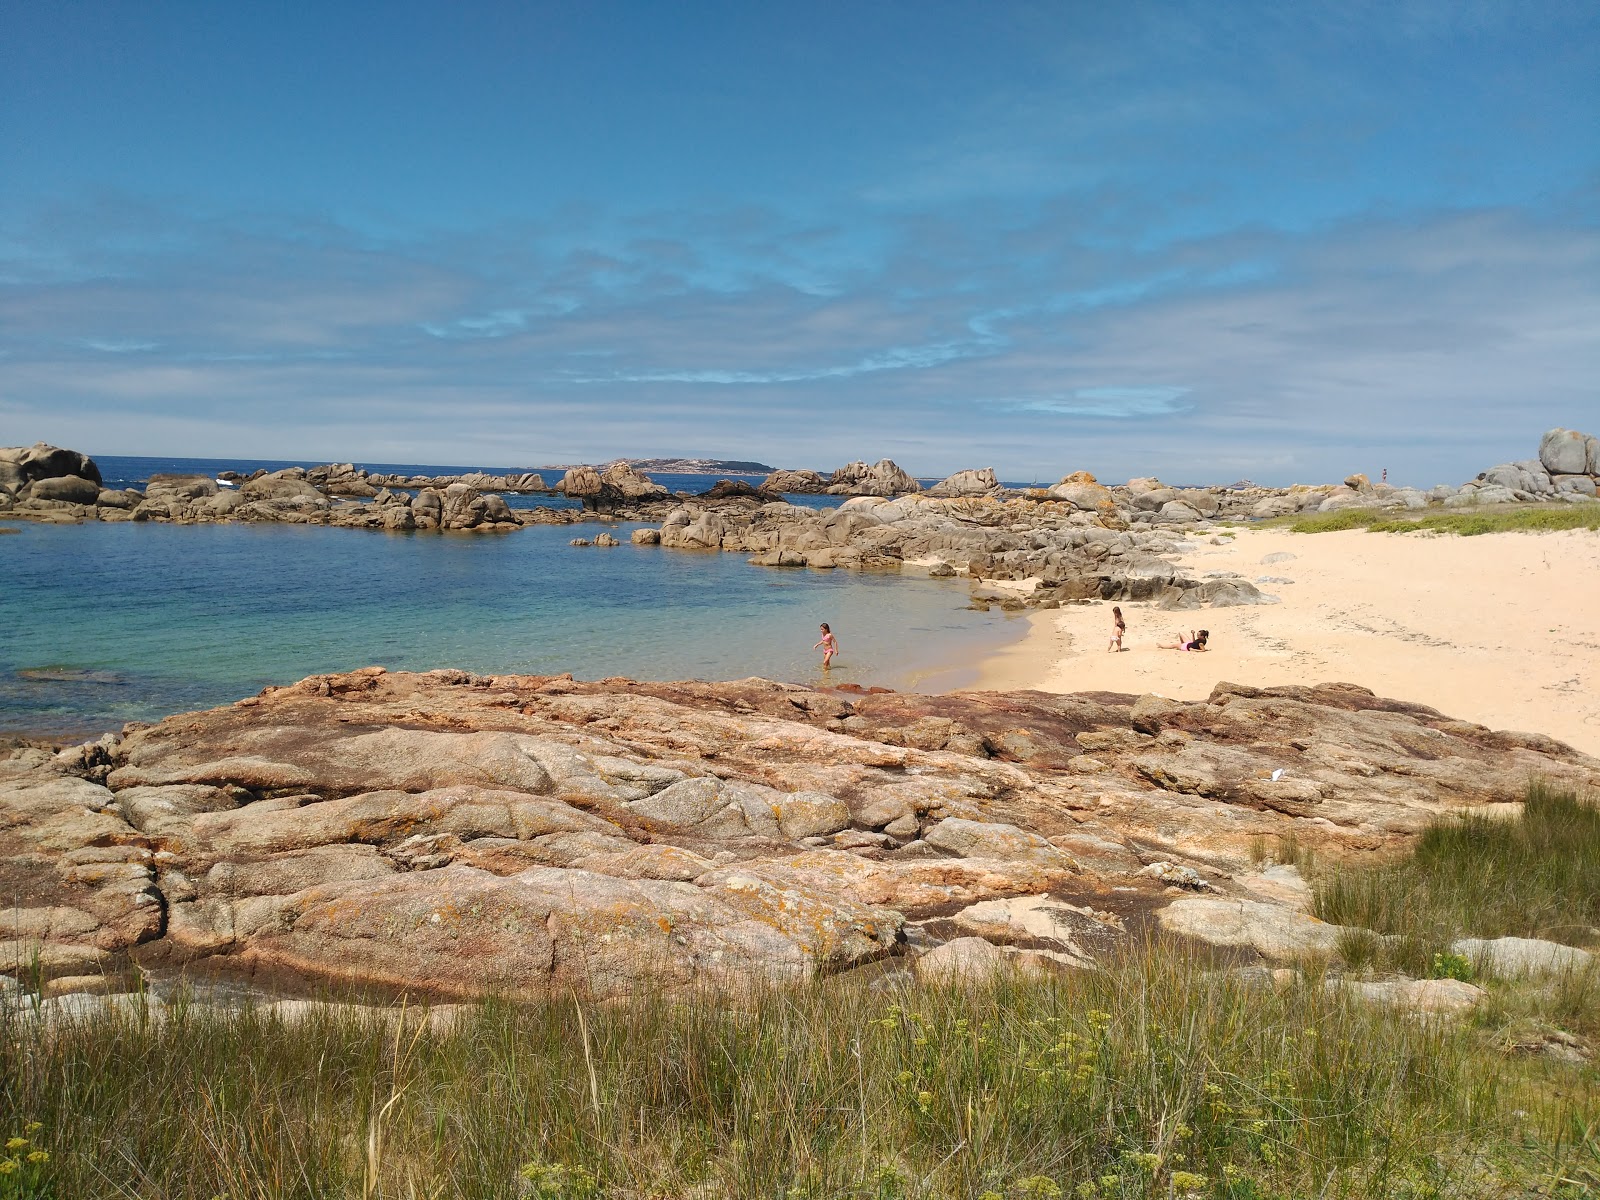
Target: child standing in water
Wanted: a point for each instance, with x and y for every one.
(829, 645)
(1118, 628)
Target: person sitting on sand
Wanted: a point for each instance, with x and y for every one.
(829, 644)
(1118, 628)
(1197, 641)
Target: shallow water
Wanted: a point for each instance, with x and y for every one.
(102, 624)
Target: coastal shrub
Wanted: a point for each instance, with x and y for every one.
(1335, 522)
(1465, 523)
(1157, 1075)
(1531, 876)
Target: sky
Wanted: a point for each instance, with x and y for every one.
(1206, 241)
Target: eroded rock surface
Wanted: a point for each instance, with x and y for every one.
(461, 834)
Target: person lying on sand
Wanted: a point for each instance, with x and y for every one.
(1197, 641)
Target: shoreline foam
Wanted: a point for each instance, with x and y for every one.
(1500, 629)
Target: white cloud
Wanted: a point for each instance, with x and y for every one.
(1114, 402)
(1438, 343)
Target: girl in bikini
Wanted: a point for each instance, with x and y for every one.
(829, 644)
(1197, 641)
(1118, 628)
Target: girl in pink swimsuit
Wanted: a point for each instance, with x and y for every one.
(829, 644)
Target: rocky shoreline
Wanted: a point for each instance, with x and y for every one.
(1076, 540)
(457, 835)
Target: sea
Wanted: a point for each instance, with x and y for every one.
(103, 624)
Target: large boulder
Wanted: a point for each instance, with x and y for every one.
(290, 484)
(802, 482)
(1084, 496)
(43, 461)
(882, 478)
(1565, 452)
(1517, 956)
(1469, 497)
(167, 488)
(967, 483)
(604, 491)
(66, 489)
(1272, 931)
(632, 484)
(580, 482)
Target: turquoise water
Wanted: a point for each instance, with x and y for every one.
(102, 624)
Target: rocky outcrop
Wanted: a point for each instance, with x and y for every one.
(346, 479)
(1055, 550)
(23, 465)
(882, 478)
(291, 496)
(460, 834)
(618, 485)
(736, 489)
(984, 531)
(1567, 468)
(798, 482)
(967, 483)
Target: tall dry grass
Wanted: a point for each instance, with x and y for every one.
(1534, 876)
(1155, 1076)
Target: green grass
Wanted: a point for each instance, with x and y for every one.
(1155, 1077)
(1465, 522)
(1534, 876)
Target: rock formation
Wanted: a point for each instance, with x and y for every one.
(967, 483)
(1051, 538)
(798, 482)
(1567, 468)
(882, 478)
(607, 491)
(291, 496)
(457, 835)
(1056, 550)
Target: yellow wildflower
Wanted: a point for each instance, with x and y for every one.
(39, 1156)
(17, 1143)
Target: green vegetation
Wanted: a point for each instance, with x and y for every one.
(1537, 875)
(1158, 1076)
(1520, 518)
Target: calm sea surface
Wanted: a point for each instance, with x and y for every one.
(102, 624)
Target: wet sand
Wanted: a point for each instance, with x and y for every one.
(1501, 629)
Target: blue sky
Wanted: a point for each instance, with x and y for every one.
(1203, 241)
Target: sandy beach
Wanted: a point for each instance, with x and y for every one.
(1501, 629)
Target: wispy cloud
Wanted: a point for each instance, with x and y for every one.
(898, 358)
(493, 325)
(1119, 403)
(1264, 352)
(118, 345)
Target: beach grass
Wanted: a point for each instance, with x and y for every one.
(1157, 1076)
(1465, 522)
(1536, 875)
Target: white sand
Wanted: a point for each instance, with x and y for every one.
(1501, 629)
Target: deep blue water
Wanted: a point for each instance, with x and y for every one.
(101, 624)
